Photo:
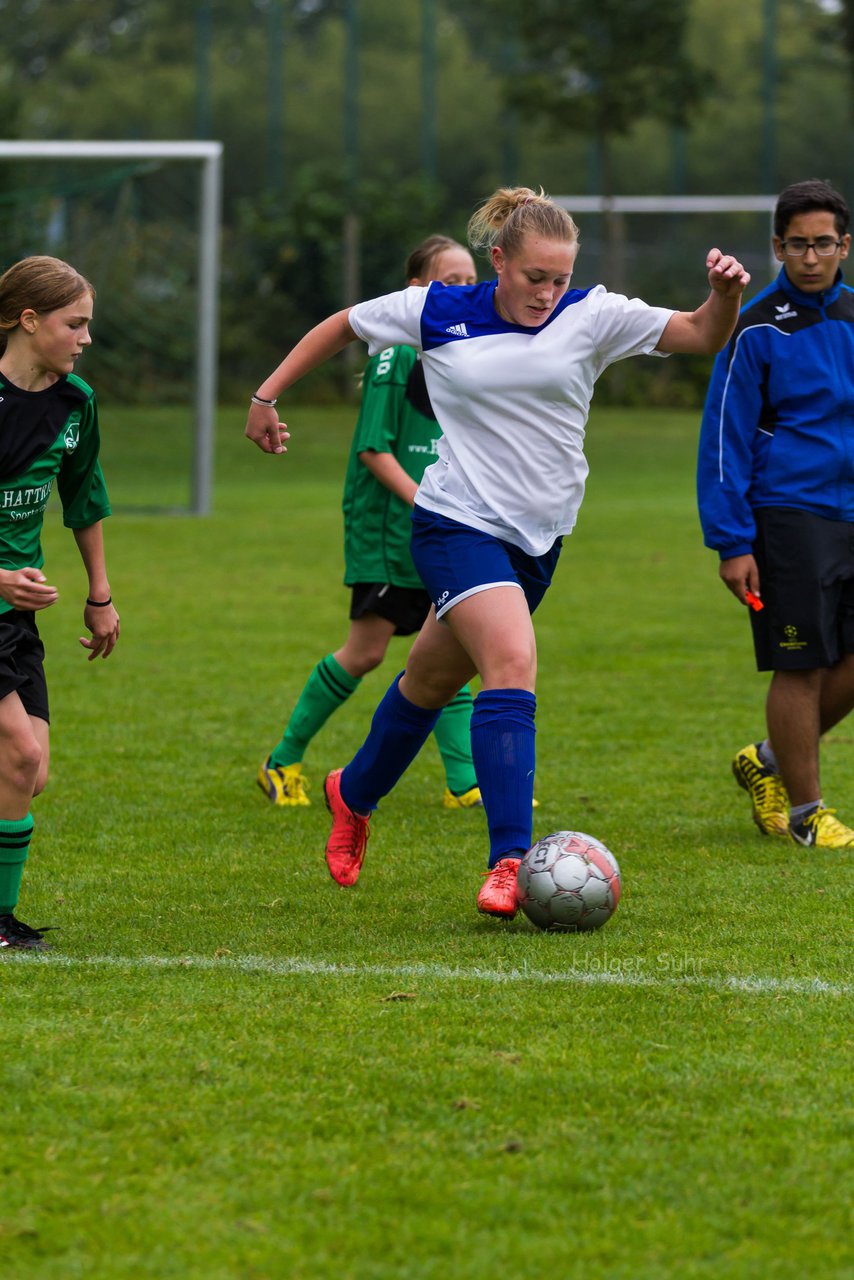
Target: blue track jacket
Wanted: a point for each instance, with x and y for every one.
(778, 424)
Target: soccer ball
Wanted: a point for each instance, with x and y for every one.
(569, 882)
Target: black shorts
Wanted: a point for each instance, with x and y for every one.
(806, 575)
(406, 607)
(22, 662)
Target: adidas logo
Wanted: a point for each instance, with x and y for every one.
(458, 330)
(785, 312)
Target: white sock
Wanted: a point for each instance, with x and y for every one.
(800, 811)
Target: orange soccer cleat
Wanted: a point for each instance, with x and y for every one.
(348, 839)
(498, 896)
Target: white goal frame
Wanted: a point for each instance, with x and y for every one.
(675, 204)
(207, 317)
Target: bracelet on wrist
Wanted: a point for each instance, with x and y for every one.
(268, 404)
(99, 604)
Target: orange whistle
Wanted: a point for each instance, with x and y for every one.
(754, 601)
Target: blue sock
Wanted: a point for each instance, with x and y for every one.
(503, 747)
(398, 731)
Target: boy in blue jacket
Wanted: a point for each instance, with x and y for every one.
(775, 486)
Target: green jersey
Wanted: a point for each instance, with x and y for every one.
(395, 417)
(46, 436)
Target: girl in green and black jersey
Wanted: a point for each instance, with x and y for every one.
(48, 433)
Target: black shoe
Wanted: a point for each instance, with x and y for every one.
(14, 933)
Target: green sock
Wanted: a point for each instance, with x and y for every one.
(327, 688)
(453, 738)
(15, 839)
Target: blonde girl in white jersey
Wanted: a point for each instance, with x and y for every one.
(510, 369)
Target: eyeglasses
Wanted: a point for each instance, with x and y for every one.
(825, 246)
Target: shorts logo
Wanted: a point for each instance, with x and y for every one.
(792, 641)
(458, 330)
(442, 598)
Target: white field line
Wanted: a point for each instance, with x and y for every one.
(664, 971)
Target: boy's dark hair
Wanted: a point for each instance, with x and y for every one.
(806, 197)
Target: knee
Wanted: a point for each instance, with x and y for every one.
(428, 687)
(513, 669)
(361, 654)
(41, 777)
(367, 660)
(23, 762)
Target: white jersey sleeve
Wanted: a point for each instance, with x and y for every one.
(390, 321)
(625, 326)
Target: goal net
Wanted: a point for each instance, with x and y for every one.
(141, 221)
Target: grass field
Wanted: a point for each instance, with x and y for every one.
(228, 1067)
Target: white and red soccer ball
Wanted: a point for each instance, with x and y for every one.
(569, 882)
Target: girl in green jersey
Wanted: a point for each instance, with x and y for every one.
(48, 432)
(393, 442)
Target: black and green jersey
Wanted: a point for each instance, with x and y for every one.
(396, 417)
(46, 436)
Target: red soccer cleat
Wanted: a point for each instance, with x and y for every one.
(498, 895)
(348, 839)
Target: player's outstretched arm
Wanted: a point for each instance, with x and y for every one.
(319, 344)
(706, 330)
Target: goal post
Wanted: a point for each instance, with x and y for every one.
(669, 204)
(740, 224)
(208, 155)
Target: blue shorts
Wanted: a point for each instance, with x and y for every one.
(455, 561)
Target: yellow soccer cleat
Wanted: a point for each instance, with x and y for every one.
(468, 800)
(283, 784)
(820, 830)
(766, 790)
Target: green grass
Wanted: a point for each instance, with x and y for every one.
(229, 1068)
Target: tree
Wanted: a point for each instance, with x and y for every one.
(842, 31)
(598, 67)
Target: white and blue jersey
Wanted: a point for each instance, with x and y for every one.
(512, 401)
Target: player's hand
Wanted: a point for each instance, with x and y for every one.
(726, 274)
(741, 574)
(26, 589)
(104, 623)
(265, 430)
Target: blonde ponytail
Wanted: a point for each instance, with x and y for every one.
(511, 213)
